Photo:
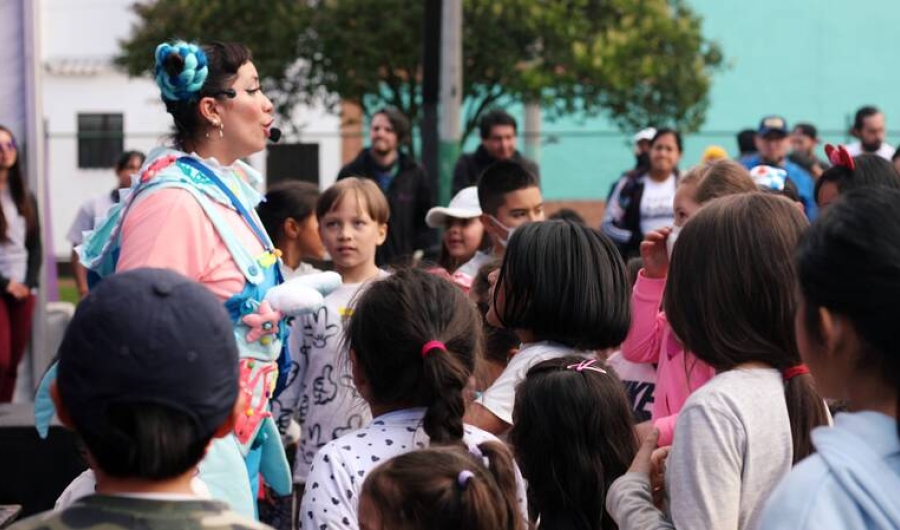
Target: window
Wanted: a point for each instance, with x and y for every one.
(100, 140)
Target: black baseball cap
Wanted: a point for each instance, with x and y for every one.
(149, 336)
(772, 126)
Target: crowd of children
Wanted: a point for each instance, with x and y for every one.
(496, 389)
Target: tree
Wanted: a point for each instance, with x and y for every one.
(639, 61)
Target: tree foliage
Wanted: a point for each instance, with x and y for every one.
(638, 61)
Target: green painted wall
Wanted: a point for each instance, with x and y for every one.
(809, 60)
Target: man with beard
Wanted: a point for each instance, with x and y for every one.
(404, 183)
(772, 148)
(804, 140)
(498, 142)
(869, 129)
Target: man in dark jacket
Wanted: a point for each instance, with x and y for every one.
(404, 183)
(498, 142)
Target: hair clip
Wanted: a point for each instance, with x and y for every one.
(462, 480)
(839, 156)
(432, 345)
(587, 364)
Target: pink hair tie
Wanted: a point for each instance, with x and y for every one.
(432, 345)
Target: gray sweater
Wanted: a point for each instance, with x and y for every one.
(732, 447)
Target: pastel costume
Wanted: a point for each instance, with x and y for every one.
(851, 481)
(650, 340)
(321, 393)
(500, 397)
(331, 497)
(197, 218)
(732, 447)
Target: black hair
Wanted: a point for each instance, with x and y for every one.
(494, 118)
(664, 131)
(746, 140)
(18, 188)
(223, 62)
(807, 129)
(870, 171)
(567, 214)
(864, 112)
(292, 199)
(585, 417)
(125, 158)
(399, 122)
(392, 322)
(145, 440)
(500, 178)
(757, 232)
(849, 263)
(566, 283)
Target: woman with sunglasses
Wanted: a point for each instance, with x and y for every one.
(20, 262)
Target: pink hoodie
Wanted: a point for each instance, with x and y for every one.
(650, 340)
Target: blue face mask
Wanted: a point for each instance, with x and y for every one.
(509, 231)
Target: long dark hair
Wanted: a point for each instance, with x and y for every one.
(566, 283)
(392, 322)
(18, 188)
(430, 489)
(849, 263)
(742, 309)
(586, 419)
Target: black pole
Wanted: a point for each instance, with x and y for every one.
(431, 68)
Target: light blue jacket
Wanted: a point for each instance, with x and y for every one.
(851, 482)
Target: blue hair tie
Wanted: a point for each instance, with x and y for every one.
(186, 85)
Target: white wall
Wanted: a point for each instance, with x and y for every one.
(77, 31)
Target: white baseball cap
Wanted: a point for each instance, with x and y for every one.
(463, 206)
(645, 135)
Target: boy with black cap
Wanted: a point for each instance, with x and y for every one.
(148, 376)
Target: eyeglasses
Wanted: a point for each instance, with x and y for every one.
(8, 146)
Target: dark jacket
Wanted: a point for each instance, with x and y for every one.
(470, 166)
(410, 197)
(622, 220)
(35, 252)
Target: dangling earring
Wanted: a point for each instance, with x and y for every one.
(221, 130)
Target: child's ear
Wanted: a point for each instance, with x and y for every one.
(382, 233)
(359, 378)
(227, 426)
(291, 228)
(489, 225)
(61, 412)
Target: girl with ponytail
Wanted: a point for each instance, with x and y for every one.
(730, 299)
(848, 267)
(413, 340)
(443, 488)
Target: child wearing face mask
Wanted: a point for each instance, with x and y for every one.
(650, 338)
(509, 196)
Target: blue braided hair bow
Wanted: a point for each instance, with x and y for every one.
(186, 85)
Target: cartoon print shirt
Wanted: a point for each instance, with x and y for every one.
(331, 498)
(320, 394)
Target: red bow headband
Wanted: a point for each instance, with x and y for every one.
(839, 156)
